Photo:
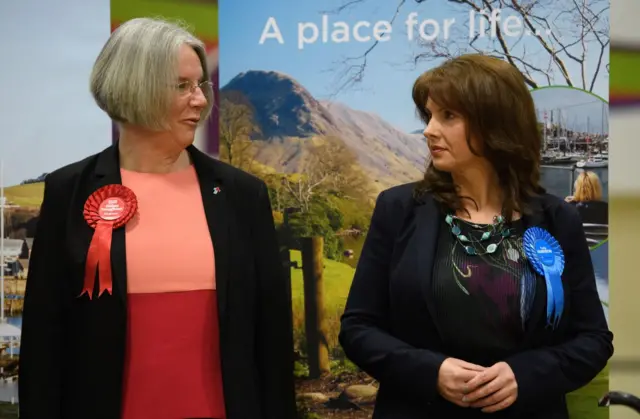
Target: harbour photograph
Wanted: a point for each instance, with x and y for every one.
(574, 126)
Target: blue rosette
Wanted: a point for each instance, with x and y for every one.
(547, 258)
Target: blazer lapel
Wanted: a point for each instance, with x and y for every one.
(107, 172)
(427, 229)
(215, 199)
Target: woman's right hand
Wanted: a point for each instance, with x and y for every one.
(453, 377)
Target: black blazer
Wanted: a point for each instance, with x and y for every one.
(72, 349)
(388, 331)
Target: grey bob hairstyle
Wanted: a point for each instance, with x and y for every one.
(133, 77)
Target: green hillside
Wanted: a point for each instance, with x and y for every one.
(29, 195)
(202, 16)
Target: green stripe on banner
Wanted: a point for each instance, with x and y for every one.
(624, 77)
(201, 16)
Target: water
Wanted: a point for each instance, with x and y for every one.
(15, 321)
(558, 180)
(9, 390)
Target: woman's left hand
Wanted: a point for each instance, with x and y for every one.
(493, 389)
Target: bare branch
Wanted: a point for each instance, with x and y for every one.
(562, 31)
(354, 73)
(343, 7)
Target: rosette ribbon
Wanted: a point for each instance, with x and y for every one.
(547, 258)
(107, 209)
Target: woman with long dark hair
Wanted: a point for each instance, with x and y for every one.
(475, 291)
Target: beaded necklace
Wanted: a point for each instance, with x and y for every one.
(477, 246)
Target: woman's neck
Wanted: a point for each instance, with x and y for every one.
(481, 193)
(151, 152)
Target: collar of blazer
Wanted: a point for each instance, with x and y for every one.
(108, 163)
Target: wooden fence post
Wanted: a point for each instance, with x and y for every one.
(314, 312)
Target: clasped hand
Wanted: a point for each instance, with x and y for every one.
(469, 385)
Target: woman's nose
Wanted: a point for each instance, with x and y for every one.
(431, 129)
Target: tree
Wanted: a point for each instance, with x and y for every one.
(346, 178)
(277, 191)
(330, 168)
(237, 126)
(555, 35)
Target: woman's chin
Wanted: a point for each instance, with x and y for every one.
(443, 165)
(186, 139)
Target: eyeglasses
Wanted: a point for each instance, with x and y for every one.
(188, 88)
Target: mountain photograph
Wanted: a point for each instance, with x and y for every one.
(324, 163)
(284, 121)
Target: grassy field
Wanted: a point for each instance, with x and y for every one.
(583, 404)
(337, 280)
(355, 244)
(29, 195)
(8, 411)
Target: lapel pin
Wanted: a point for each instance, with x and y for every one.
(216, 190)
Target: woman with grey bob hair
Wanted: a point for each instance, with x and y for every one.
(130, 76)
(155, 287)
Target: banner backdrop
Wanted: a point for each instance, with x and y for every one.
(201, 16)
(49, 120)
(316, 100)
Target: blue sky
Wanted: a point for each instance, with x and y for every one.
(579, 110)
(47, 115)
(386, 89)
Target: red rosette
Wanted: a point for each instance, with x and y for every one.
(107, 209)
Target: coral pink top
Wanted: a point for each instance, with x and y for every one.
(172, 366)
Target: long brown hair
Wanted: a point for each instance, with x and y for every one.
(491, 95)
